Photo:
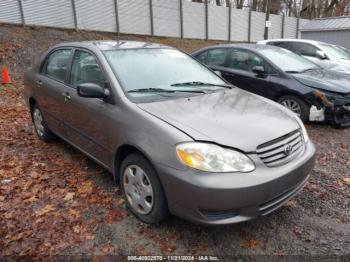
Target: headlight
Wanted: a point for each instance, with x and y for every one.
(212, 158)
(303, 129)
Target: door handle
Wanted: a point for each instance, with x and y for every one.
(39, 83)
(66, 96)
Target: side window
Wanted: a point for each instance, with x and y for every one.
(57, 63)
(202, 57)
(280, 44)
(305, 49)
(85, 69)
(246, 61)
(217, 56)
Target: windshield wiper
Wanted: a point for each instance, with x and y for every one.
(292, 72)
(162, 90)
(309, 69)
(198, 83)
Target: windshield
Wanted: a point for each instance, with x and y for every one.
(347, 51)
(335, 52)
(146, 72)
(288, 61)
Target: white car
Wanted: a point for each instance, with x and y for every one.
(326, 55)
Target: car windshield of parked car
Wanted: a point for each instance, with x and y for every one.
(156, 71)
(288, 61)
(335, 52)
(347, 51)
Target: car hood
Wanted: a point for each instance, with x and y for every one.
(233, 118)
(334, 65)
(344, 61)
(325, 79)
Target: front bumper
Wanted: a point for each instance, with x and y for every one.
(210, 198)
(338, 115)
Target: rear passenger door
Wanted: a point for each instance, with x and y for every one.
(50, 87)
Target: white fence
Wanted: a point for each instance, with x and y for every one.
(173, 18)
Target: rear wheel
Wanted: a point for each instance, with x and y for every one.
(296, 105)
(142, 189)
(41, 128)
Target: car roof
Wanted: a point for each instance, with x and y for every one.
(104, 45)
(253, 47)
(292, 40)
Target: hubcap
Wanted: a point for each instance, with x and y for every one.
(292, 105)
(138, 189)
(38, 122)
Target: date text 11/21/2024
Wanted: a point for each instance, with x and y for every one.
(173, 258)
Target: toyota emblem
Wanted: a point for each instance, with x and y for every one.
(288, 150)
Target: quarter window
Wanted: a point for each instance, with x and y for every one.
(202, 57)
(217, 57)
(57, 63)
(85, 69)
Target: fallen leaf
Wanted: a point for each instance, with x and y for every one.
(31, 199)
(116, 215)
(77, 229)
(292, 204)
(347, 180)
(121, 202)
(69, 196)
(298, 231)
(45, 210)
(252, 243)
(141, 251)
(167, 249)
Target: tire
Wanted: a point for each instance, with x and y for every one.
(147, 203)
(302, 109)
(41, 128)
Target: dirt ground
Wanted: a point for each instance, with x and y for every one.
(55, 201)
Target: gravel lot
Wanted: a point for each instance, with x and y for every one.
(54, 201)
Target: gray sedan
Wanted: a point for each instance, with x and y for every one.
(175, 135)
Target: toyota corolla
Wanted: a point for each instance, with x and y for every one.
(176, 136)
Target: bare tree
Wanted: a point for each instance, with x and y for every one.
(309, 9)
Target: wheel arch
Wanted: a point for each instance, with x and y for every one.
(121, 153)
(32, 102)
(292, 93)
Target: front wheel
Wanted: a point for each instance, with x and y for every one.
(296, 105)
(142, 189)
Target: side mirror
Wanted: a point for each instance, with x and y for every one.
(259, 70)
(218, 73)
(321, 55)
(92, 90)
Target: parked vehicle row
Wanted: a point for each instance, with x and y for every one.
(176, 136)
(310, 91)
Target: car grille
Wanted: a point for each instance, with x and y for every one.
(218, 214)
(281, 150)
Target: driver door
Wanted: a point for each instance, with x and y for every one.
(239, 72)
(86, 119)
